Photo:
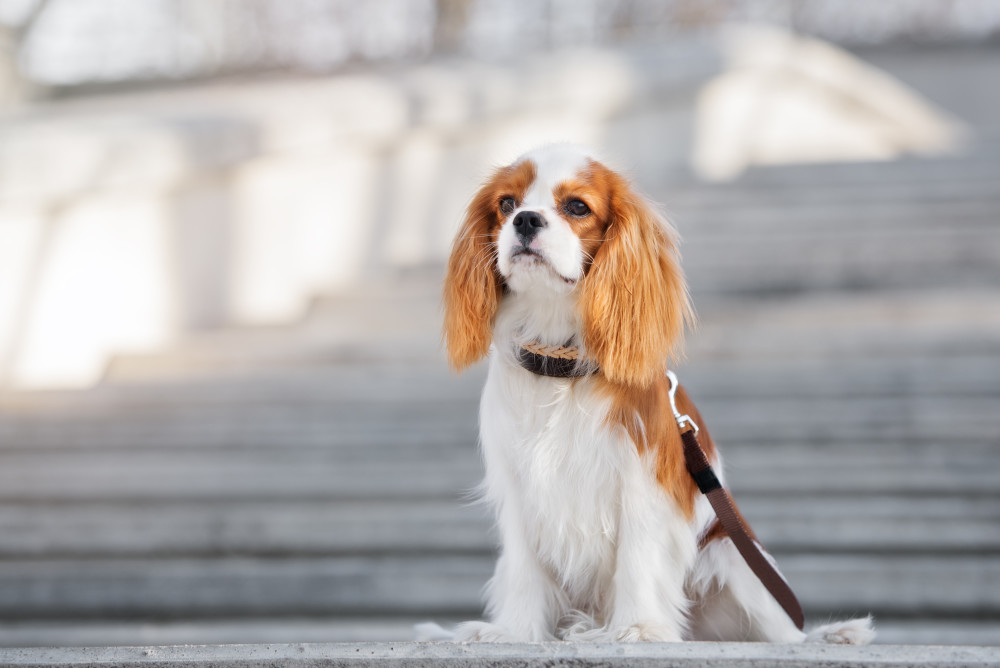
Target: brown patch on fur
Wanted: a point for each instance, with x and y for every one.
(472, 287)
(594, 189)
(646, 417)
(633, 300)
(717, 532)
(634, 307)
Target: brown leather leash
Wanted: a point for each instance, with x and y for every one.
(725, 509)
(563, 362)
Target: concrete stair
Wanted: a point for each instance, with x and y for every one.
(682, 655)
(308, 482)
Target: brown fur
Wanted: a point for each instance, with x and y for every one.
(715, 532)
(472, 287)
(646, 417)
(634, 300)
(593, 188)
(718, 532)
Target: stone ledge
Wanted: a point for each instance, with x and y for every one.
(730, 655)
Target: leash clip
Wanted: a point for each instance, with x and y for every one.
(683, 421)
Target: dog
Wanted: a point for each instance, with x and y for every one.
(569, 281)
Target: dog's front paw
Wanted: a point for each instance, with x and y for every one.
(647, 633)
(482, 632)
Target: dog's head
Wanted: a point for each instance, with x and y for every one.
(558, 224)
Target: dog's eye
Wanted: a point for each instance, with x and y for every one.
(507, 206)
(577, 208)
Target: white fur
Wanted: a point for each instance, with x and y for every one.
(592, 547)
(583, 525)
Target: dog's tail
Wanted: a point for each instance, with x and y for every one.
(851, 632)
(432, 632)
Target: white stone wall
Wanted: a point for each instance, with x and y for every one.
(127, 221)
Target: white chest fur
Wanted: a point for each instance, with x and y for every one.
(566, 485)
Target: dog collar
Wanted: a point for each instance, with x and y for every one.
(554, 361)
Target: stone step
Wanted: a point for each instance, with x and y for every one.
(265, 402)
(866, 359)
(311, 387)
(874, 376)
(427, 428)
(854, 358)
(757, 263)
(830, 326)
(291, 382)
(487, 655)
(916, 585)
(393, 322)
(975, 186)
(919, 421)
(848, 326)
(327, 629)
(283, 473)
(772, 349)
(804, 221)
(786, 522)
(976, 164)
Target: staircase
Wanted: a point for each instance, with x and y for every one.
(307, 483)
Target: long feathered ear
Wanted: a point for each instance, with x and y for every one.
(634, 301)
(472, 288)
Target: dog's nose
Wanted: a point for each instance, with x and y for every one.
(527, 224)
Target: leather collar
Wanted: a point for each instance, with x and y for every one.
(554, 361)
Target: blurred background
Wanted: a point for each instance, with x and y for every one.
(224, 411)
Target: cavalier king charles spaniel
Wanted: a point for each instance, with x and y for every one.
(604, 534)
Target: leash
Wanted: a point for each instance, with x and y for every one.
(563, 362)
(728, 515)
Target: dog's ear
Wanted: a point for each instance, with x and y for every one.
(472, 287)
(634, 302)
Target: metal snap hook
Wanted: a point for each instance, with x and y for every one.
(683, 421)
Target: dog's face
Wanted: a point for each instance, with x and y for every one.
(549, 231)
(558, 222)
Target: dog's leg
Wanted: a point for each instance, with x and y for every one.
(731, 603)
(655, 548)
(521, 599)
